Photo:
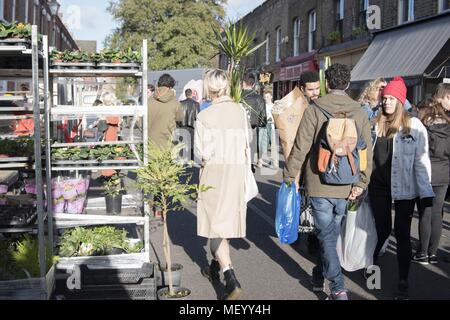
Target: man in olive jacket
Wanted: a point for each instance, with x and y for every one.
(163, 112)
(329, 202)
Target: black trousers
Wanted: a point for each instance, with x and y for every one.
(430, 222)
(404, 209)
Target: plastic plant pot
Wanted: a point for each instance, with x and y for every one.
(59, 207)
(80, 186)
(76, 207)
(3, 188)
(30, 188)
(69, 190)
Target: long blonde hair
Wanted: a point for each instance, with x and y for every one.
(371, 92)
(390, 125)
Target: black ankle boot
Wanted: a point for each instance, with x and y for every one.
(233, 288)
(211, 272)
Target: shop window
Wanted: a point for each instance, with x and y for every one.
(296, 37)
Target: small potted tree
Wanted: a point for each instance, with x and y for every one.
(113, 194)
(167, 180)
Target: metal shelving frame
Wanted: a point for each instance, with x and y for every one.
(35, 288)
(54, 112)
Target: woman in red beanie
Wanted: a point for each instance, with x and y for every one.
(401, 172)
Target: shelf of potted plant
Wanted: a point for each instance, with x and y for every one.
(98, 155)
(22, 42)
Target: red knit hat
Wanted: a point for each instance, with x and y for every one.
(396, 87)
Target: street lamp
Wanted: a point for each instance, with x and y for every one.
(54, 8)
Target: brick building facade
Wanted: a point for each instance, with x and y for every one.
(301, 33)
(37, 12)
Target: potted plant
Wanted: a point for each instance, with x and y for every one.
(358, 31)
(15, 33)
(167, 179)
(113, 194)
(236, 43)
(334, 37)
(98, 241)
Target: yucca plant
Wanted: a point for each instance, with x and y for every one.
(235, 42)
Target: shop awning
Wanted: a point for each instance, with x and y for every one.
(406, 50)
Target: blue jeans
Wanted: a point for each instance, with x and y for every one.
(328, 214)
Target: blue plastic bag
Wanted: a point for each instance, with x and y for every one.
(287, 217)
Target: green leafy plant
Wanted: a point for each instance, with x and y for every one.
(7, 268)
(17, 147)
(26, 257)
(15, 30)
(113, 186)
(235, 42)
(352, 205)
(95, 241)
(334, 37)
(168, 180)
(356, 32)
(71, 153)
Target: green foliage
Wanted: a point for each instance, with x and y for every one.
(166, 177)
(17, 147)
(177, 31)
(15, 30)
(167, 180)
(236, 43)
(353, 205)
(26, 257)
(95, 241)
(356, 32)
(7, 268)
(334, 36)
(70, 153)
(113, 186)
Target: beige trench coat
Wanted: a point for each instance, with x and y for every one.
(220, 145)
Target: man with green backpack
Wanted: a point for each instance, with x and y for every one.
(334, 146)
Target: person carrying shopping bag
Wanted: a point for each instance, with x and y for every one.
(401, 173)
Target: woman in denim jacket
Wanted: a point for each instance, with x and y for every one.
(401, 173)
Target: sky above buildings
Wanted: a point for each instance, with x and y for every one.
(89, 20)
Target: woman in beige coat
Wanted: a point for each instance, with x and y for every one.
(220, 145)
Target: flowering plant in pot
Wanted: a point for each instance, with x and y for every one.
(113, 194)
(168, 181)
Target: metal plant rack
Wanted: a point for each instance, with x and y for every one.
(42, 287)
(55, 112)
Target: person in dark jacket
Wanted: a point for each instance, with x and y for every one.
(433, 116)
(256, 107)
(189, 110)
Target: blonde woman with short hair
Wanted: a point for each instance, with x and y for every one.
(220, 145)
